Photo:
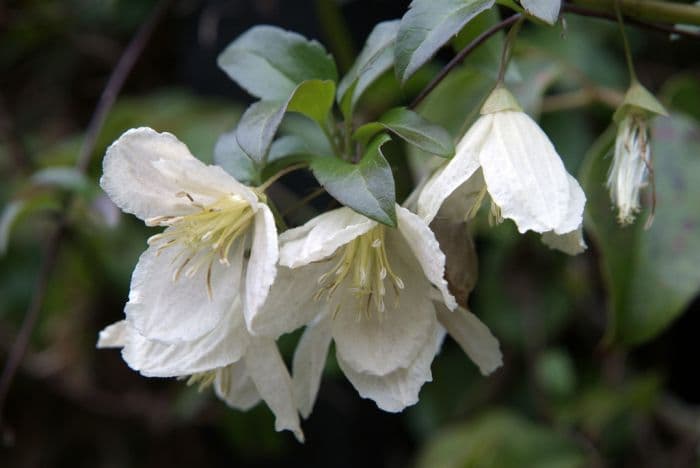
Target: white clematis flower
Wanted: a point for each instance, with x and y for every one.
(631, 165)
(506, 155)
(368, 288)
(242, 369)
(192, 272)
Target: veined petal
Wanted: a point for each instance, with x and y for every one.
(322, 236)
(309, 362)
(397, 390)
(234, 386)
(290, 303)
(382, 342)
(113, 336)
(269, 374)
(426, 249)
(262, 268)
(145, 173)
(220, 347)
(473, 336)
(571, 243)
(525, 176)
(172, 310)
(456, 172)
(574, 213)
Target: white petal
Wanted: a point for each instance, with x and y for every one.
(574, 212)
(145, 173)
(399, 389)
(473, 336)
(385, 341)
(113, 336)
(322, 236)
(222, 346)
(459, 205)
(524, 174)
(309, 362)
(425, 247)
(234, 386)
(290, 303)
(271, 378)
(177, 311)
(456, 172)
(571, 243)
(546, 10)
(262, 268)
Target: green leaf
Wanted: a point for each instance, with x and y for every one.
(258, 126)
(313, 98)
(413, 128)
(500, 439)
(366, 187)
(270, 62)
(427, 26)
(376, 58)
(229, 155)
(67, 178)
(9, 215)
(545, 10)
(651, 275)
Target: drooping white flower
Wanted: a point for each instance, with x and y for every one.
(191, 273)
(242, 369)
(631, 165)
(507, 156)
(368, 288)
(193, 291)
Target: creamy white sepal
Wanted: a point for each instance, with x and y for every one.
(320, 237)
(383, 342)
(178, 310)
(456, 172)
(546, 10)
(426, 249)
(525, 176)
(265, 367)
(233, 385)
(309, 362)
(113, 336)
(262, 265)
(146, 172)
(397, 390)
(473, 337)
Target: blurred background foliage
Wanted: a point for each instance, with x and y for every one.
(598, 348)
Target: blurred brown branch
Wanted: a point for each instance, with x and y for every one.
(104, 105)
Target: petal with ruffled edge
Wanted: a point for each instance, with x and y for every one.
(233, 385)
(426, 249)
(178, 311)
(145, 173)
(290, 303)
(571, 243)
(309, 362)
(473, 336)
(262, 265)
(380, 342)
(456, 172)
(397, 390)
(322, 236)
(265, 367)
(222, 346)
(525, 176)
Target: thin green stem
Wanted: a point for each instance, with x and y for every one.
(655, 11)
(625, 43)
(266, 185)
(508, 50)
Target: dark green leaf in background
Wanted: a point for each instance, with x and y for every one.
(270, 62)
(413, 128)
(229, 155)
(366, 187)
(651, 275)
(375, 59)
(427, 26)
(258, 126)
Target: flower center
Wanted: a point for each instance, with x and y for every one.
(364, 263)
(205, 235)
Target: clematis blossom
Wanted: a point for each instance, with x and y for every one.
(507, 157)
(368, 288)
